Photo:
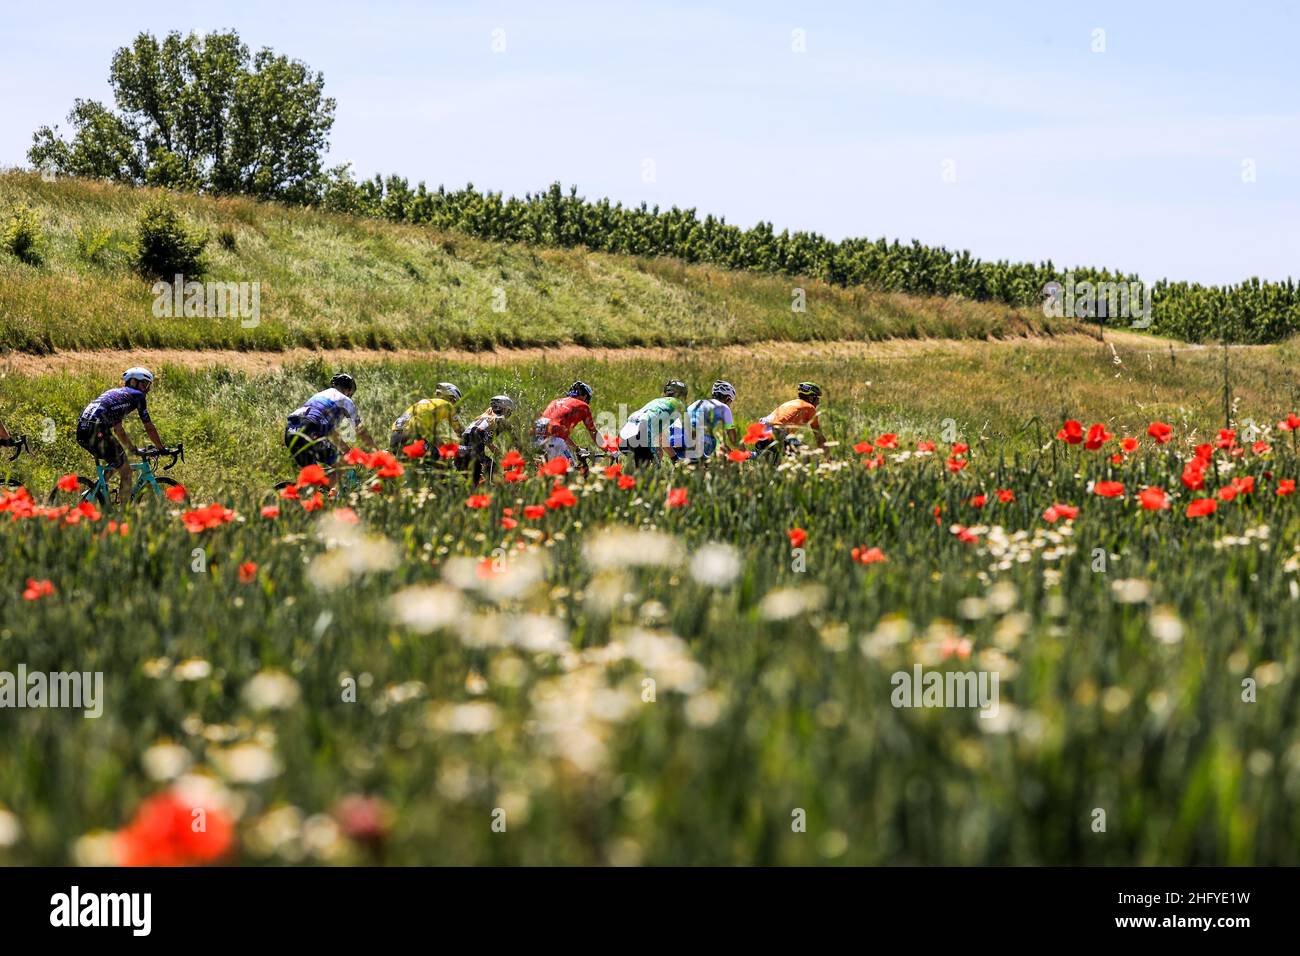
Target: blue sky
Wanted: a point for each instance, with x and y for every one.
(1130, 158)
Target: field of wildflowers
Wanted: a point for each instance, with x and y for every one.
(677, 665)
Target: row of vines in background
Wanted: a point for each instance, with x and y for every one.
(1252, 311)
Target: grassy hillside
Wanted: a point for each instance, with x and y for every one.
(338, 281)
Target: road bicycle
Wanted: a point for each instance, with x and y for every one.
(97, 491)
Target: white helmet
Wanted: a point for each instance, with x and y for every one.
(137, 374)
(502, 405)
(449, 390)
(725, 391)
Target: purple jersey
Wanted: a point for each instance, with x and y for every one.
(114, 405)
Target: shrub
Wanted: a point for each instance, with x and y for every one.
(226, 239)
(91, 242)
(22, 236)
(166, 244)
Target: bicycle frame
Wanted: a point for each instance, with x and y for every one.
(144, 479)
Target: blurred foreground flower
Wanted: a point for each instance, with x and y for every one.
(168, 830)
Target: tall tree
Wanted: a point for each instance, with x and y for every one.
(200, 113)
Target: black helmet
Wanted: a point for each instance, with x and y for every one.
(810, 392)
(581, 390)
(344, 382)
(675, 388)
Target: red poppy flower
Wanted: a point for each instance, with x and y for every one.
(508, 522)
(1244, 485)
(797, 537)
(1128, 445)
(448, 450)
(1161, 432)
(1204, 453)
(1227, 438)
(513, 459)
(176, 493)
(270, 511)
(385, 465)
(1286, 486)
(555, 467)
(37, 589)
(1153, 499)
(609, 443)
(290, 493)
(1261, 448)
(957, 464)
(863, 448)
(355, 456)
(1117, 459)
(561, 497)
(925, 446)
(248, 572)
(964, 534)
(868, 555)
(478, 501)
(201, 519)
(1006, 495)
(937, 510)
(677, 498)
(533, 512)
(313, 475)
(977, 501)
(1202, 507)
(415, 449)
(756, 432)
(887, 440)
(960, 448)
(1108, 489)
(1097, 436)
(364, 819)
(515, 474)
(871, 464)
(626, 481)
(1060, 512)
(69, 483)
(1291, 423)
(614, 470)
(1226, 493)
(314, 503)
(737, 454)
(1072, 432)
(163, 833)
(1193, 476)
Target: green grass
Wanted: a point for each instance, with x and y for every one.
(335, 281)
(756, 714)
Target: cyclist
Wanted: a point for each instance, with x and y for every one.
(431, 419)
(794, 414)
(696, 438)
(100, 431)
(552, 433)
(645, 432)
(312, 431)
(478, 447)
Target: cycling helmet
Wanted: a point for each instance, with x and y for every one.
(448, 391)
(502, 405)
(138, 375)
(724, 391)
(675, 389)
(810, 392)
(581, 390)
(344, 383)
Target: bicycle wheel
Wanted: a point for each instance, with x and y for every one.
(88, 490)
(138, 494)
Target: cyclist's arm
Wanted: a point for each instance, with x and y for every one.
(816, 427)
(732, 436)
(153, 434)
(120, 431)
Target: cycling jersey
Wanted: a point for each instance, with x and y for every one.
(562, 416)
(793, 413)
(321, 414)
(697, 436)
(113, 406)
(429, 418)
(648, 423)
(481, 431)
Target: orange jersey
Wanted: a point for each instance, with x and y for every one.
(792, 413)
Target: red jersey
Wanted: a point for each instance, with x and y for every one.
(565, 414)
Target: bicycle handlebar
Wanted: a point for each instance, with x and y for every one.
(177, 454)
